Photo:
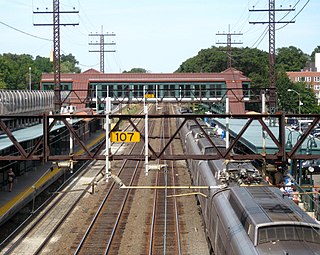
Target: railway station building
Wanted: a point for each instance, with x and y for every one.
(129, 87)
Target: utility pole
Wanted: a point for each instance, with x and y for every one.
(272, 41)
(56, 46)
(229, 44)
(102, 44)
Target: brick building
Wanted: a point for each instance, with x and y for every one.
(311, 76)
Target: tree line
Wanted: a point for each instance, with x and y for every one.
(254, 63)
(15, 70)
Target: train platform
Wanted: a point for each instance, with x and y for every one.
(24, 189)
(32, 183)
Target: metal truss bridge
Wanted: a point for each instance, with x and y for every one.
(278, 134)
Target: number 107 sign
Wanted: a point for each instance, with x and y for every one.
(127, 137)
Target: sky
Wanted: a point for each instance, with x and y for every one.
(157, 35)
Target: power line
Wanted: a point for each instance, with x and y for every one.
(262, 36)
(295, 15)
(289, 12)
(26, 33)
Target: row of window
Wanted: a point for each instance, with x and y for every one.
(163, 90)
(308, 79)
(207, 90)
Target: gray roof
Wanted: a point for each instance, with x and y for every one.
(252, 137)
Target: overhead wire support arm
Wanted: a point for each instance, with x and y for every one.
(262, 10)
(102, 34)
(103, 44)
(267, 22)
(51, 12)
(61, 24)
(58, 12)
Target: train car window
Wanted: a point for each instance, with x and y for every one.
(288, 233)
(307, 234)
(271, 234)
(316, 236)
(280, 231)
(263, 236)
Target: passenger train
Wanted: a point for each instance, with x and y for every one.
(245, 215)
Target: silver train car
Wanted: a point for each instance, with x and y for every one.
(248, 219)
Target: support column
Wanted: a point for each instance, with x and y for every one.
(146, 131)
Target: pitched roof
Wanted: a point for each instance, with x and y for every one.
(91, 71)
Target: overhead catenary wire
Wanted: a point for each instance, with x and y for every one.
(289, 11)
(261, 37)
(295, 15)
(26, 33)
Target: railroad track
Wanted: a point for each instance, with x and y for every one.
(37, 234)
(103, 236)
(164, 235)
(33, 238)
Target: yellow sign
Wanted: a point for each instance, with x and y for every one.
(149, 95)
(127, 137)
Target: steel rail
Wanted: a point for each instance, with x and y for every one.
(155, 194)
(124, 202)
(175, 200)
(96, 216)
(71, 208)
(52, 206)
(154, 210)
(165, 206)
(86, 234)
(155, 203)
(42, 217)
(125, 199)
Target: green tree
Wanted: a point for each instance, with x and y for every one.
(68, 64)
(14, 69)
(284, 97)
(291, 59)
(136, 70)
(313, 54)
(207, 61)
(252, 62)
(289, 101)
(43, 64)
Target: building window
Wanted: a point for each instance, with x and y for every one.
(307, 79)
(316, 87)
(297, 79)
(316, 79)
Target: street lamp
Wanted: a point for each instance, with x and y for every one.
(299, 106)
(311, 144)
(289, 141)
(29, 77)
